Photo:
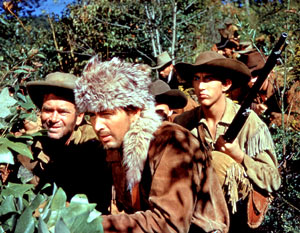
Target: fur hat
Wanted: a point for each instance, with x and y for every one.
(174, 98)
(58, 83)
(112, 84)
(116, 84)
(214, 62)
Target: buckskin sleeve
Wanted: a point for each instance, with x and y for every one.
(260, 161)
(182, 183)
(262, 170)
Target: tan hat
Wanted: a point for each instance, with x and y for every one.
(174, 98)
(59, 83)
(163, 59)
(214, 62)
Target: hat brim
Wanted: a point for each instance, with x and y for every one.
(161, 66)
(175, 99)
(229, 68)
(37, 90)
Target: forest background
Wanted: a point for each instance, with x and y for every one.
(33, 46)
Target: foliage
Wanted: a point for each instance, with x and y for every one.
(32, 47)
(284, 213)
(23, 211)
(135, 30)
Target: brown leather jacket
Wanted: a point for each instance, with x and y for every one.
(178, 191)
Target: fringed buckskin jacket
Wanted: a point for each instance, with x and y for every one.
(175, 190)
(260, 162)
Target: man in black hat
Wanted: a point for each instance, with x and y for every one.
(70, 154)
(167, 99)
(247, 165)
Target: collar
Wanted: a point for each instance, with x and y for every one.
(230, 111)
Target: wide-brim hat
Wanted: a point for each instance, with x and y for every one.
(254, 60)
(61, 84)
(214, 62)
(163, 94)
(163, 59)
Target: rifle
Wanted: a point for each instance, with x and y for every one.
(244, 111)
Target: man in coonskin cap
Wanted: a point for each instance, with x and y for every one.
(162, 177)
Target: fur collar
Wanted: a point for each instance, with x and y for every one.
(136, 144)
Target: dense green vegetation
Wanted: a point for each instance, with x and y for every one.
(137, 31)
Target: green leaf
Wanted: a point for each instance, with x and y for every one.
(21, 71)
(80, 198)
(5, 155)
(20, 96)
(25, 223)
(57, 205)
(6, 101)
(10, 223)
(59, 200)
(4, 22)
(42, 226)
(37, 201)
(23, 136)
(61, 227)
(20, 148)
(26, 67)
(41, 55)
(8, 205)
(82, 217)
(16, 189)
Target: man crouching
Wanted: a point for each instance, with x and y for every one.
(161, 173)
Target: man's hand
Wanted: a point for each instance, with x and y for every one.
(231, 149)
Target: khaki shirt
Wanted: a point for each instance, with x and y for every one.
(260, 162)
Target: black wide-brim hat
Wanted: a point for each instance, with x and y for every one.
(214, 62)
(174, 98)
(58, 83)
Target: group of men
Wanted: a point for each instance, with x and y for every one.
(151, 174)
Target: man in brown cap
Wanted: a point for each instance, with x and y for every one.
(70, 155)
(249, 163)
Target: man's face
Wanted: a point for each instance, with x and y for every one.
(209, 89)
(59, 116)
(163, 110)
(112, 125)
(165, 71)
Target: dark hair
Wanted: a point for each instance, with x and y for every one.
(130, 109)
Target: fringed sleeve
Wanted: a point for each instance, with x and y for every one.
(260, 161)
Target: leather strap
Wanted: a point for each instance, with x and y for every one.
(135, 197)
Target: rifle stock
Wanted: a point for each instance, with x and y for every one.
(244, 111)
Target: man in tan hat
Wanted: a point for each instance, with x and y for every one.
(161, 175)
(166, 70)
(70, 155)
(167, 99)
(169, 75)
(249, 163)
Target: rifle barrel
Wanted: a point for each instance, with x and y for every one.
(244, 111)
